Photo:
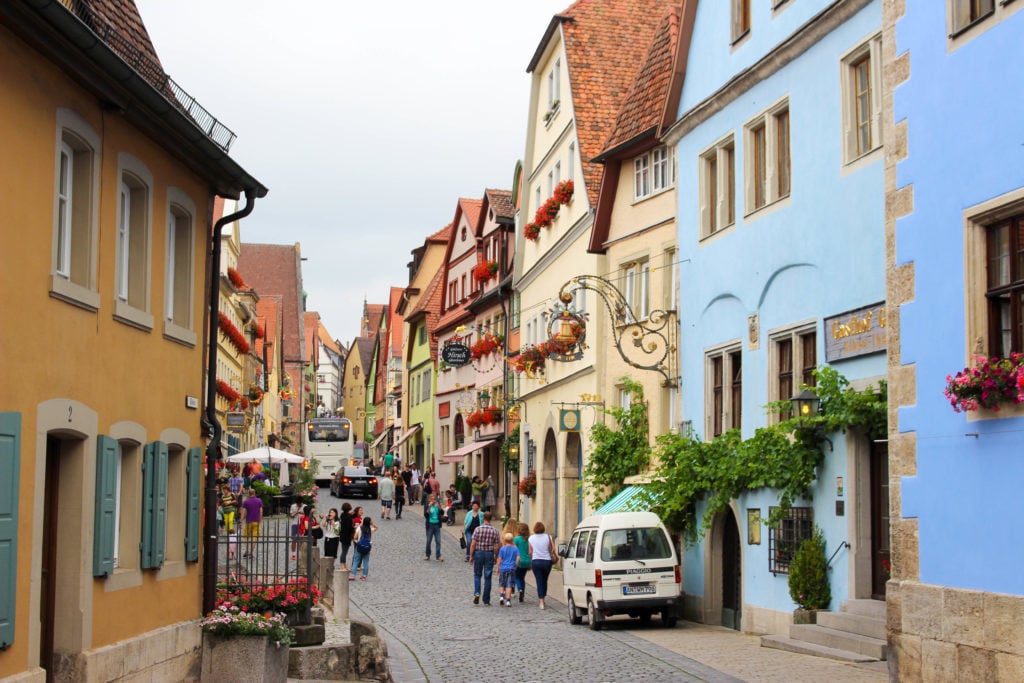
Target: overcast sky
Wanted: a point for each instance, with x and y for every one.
(366, 120)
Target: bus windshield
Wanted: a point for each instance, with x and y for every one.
(329, 429)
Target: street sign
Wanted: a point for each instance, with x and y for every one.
(236, 422)
(455, 354)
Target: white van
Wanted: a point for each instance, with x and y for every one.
(620, 563)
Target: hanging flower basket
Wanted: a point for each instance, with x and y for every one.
(485, 270)
(225, 390)
(531, 232)
(489, 343)
(992, 382)
(528, 484)
(236, 278)
(232, 333)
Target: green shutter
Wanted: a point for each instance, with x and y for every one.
(108, 455)
(10, 456)
(154, 504)
(160, 510)
(195, 483)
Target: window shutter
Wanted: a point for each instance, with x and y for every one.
(107, 453)
(154, 504)
(10, 457)
(195, 481)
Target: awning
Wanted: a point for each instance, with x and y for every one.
(460, 453)
(629, 499)
(380, 438)
(405, 437)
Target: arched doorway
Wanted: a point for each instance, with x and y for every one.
(572, 507)
(723, 584)
(547, 484)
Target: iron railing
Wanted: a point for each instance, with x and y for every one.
(134, 57)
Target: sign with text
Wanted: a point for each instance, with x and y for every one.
(455, 354)
(856, 333)
(235, 421)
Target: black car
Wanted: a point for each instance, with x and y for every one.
(350, 482)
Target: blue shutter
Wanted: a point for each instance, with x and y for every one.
(160, 505)
(146, 542)
(10, 457)
(108, 455)
(195, 481)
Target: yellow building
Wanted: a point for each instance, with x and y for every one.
(108, 188)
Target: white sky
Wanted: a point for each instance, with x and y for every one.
(366, 120)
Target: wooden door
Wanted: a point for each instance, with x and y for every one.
(879, 519)
(732, 594)
(48, 573)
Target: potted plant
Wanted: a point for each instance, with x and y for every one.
(808, 579)
(528, 484)
(243, 645)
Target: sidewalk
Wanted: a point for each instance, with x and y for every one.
(731, 652)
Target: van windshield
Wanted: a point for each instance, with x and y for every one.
(646, 543)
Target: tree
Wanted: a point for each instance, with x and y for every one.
(808, 574)
(620, 451)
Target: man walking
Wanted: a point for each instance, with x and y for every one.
(407, 478)
(432, 518)
(483, 549)
(252, 515)
(473, 519)
(386, 492)
(414, 481)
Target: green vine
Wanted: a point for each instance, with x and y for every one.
(783, 456)
(511, 464)
(618, 452)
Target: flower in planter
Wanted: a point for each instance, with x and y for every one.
(991, 382)
(236, 278)
(564, 191)
(531, 231)
(485, 270)
(231, 620)
(528, 484)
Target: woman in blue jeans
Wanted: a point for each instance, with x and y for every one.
(542, 555)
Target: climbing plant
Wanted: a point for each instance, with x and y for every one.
(619, 451)
(782, 456)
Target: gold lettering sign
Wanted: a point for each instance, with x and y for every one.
(856, 333)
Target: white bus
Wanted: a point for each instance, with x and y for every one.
(330, 441)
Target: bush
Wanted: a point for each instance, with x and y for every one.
(266, 492)
(808, 574)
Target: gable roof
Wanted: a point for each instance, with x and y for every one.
(395, 322)
(373, 315)
(268, 313)
(277, 269)
(310, 328)
(325, 339)
(604, 42)
(429, 309)
(499, 201)
(365, 346)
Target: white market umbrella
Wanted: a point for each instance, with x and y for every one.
(272, 455)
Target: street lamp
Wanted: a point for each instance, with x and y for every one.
(806, 404)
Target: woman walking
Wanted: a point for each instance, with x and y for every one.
(346, 529)
(399, 495)
(331, 527)
(364, 542)
(542, 556)
(522, 533)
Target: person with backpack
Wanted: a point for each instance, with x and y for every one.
(363, 545)
(474, 518)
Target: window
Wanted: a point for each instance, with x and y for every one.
(554, 84)
(862, 92)
(670, 293)
(724, 398)
(794, 356)
(785, 537)
(551, 182)
(966, 12)
(767, 164)
(75, 211)
(421, 335)
(426, 385)
(179, 288)
(132, 258)
(1004, 290)
(653, 172)
(570, 173)
(636, 277)
(718, 187)
(740, 19)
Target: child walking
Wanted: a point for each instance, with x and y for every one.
(508, 558)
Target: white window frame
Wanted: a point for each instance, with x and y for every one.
(76, 175)
(767, 120)
(653, 172)
(180, 213)
(571, 169)
(740, 24)
(642, 177)
(636, 288)
(554, 84)
(717, 179)
(870, 50)
(725, 352)
(133, 258)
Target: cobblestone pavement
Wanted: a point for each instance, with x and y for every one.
(436, 634)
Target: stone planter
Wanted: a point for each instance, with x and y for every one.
(243, 659)
(806, 616)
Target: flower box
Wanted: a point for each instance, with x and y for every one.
(992, 382)
(485, 270)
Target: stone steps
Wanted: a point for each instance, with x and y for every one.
(856, 633)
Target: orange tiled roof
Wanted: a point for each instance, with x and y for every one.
(277, 269)
(125, 18)
(604, 42)
(643, 107)
(471, 207)
(325, 339)
(501, 203)
(441, 235)
(429, 305)
(395, 322)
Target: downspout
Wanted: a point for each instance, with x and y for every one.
(503, 244)
(210, 530)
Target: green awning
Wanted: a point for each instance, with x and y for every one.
(629, 499)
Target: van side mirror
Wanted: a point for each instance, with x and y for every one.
(563, 549)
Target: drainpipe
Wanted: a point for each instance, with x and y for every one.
(210, 530)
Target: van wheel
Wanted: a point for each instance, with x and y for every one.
(574, 614)
(667, 618)
(592, 615)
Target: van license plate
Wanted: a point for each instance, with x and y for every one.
(639, 589)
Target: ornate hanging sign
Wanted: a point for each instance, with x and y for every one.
(455, 352)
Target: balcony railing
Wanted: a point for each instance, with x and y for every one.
(220, 134)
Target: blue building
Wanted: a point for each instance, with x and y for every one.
(781, 226)
(955, 198)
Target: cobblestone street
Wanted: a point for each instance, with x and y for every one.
(435, 633)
